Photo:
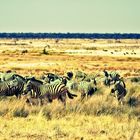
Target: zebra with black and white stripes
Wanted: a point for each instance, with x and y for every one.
(20, 85)
(50, 77)
(48, 92)
(9, 75)
(12, 87)
(119, 90)
(114, 76)
(110, 78)
(7, 88)
(87, 89)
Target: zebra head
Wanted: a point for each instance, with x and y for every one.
(106, 73)
(27, 87)
(93, 80)
(107, 82)
(31, 84)
(13, 83)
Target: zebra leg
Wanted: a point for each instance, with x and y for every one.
(48, 98)
(62, 98)
(18, 96)
(28, 101)
(120, 99)
(83, 95)
(40, 102)
(122, 102)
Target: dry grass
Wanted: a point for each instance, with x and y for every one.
(98, 118)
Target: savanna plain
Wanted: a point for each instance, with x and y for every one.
(97, 118)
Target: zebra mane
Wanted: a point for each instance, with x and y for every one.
(16, 75)
(35, 80)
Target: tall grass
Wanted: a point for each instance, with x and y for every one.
(99, 117)
(98, 105)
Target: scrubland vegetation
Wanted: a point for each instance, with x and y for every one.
(99, 117)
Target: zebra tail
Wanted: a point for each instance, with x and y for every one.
(70, 95)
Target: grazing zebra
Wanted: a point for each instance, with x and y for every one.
(110, 78)
(79, 76)
(7, 76)
(84, 87)
(7, 88)
(12, 87)
(61, 80)
(119, 91)
(114, 76)
(108, 81)
(50, 77)
(87, 89)
(48, 91)
(18, 89)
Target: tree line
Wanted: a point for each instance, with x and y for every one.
(72, 35)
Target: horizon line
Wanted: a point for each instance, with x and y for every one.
(75, 32)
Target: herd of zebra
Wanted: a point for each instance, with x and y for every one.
(51, 86)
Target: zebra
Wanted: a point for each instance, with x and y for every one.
(79, 76)
(18, 89)
(114, 76)
(119, 91)
(50, 77)
(111, 78)
(12, 87)
(8, 75)
(7, 88)
(87, 89)
(48, 92)
(62, 80)
(107, 81)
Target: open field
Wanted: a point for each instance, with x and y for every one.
(98, 118)
(69, 54)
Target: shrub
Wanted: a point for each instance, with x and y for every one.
(45, 51)
(133, 102)
(21, 112)
(47, 113)
(135, 79)
(24, 51)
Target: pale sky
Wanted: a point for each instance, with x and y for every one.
(84, 16)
